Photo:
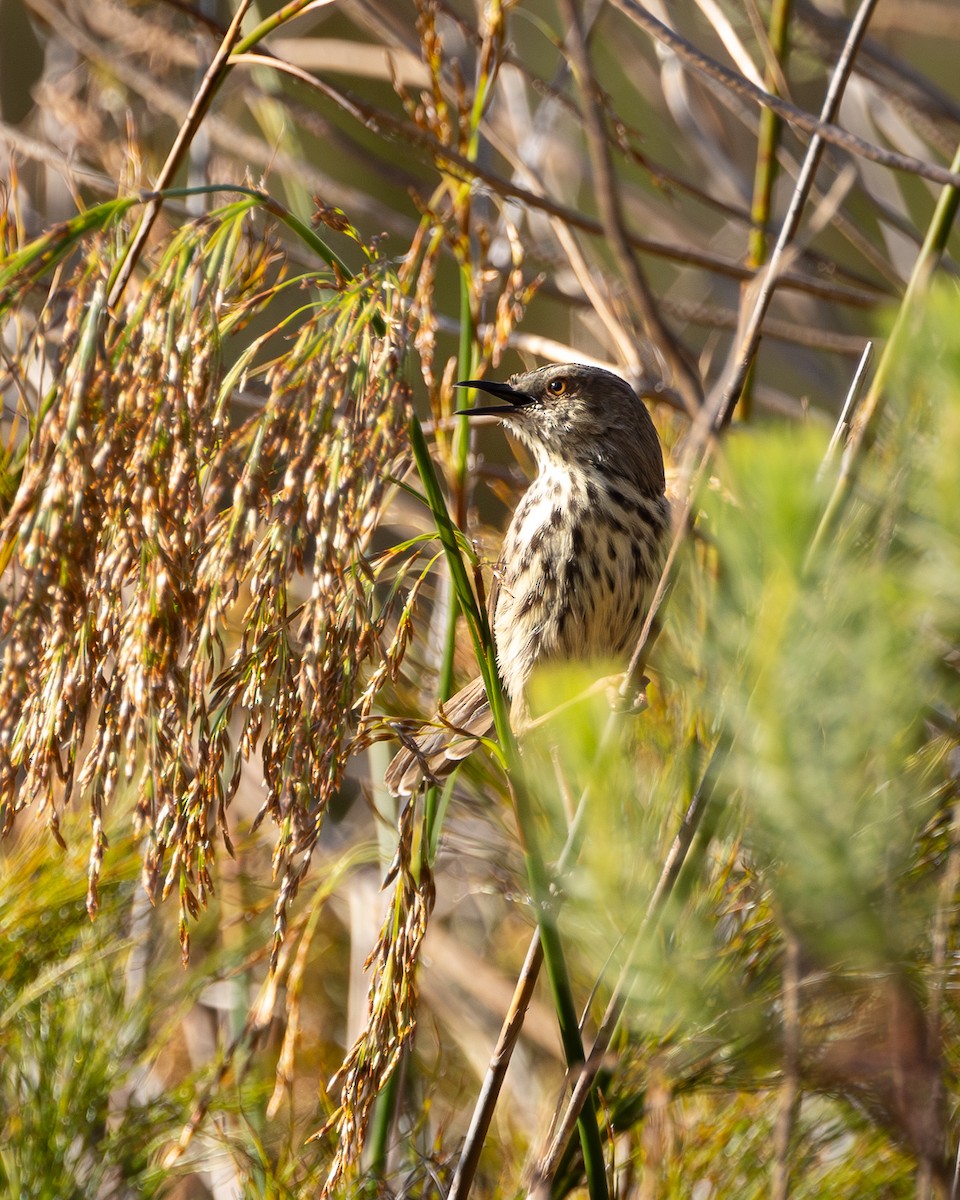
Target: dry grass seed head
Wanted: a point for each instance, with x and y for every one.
(123, 568)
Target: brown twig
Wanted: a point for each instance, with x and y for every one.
(715, 72)
(496, 1071)
(725, 396)
(209, 86)
(789, 1104)
(606, 190)
(692, 822)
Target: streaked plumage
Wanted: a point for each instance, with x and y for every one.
(582, 551)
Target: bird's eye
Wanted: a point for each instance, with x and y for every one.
(556, 387)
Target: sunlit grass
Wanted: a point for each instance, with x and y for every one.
(243, 537)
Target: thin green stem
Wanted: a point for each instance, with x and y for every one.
(765, 174)
(477, 623)
(461, 600)
(461, 446)
(538, 877)
(771, 124)
(467, 360)
(467, 345)
(270, 24)
(558, 977)
(381, 1124)
(869, 412)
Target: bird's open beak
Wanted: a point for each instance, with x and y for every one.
(514, 399)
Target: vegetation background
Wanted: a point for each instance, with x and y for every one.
(246, 250)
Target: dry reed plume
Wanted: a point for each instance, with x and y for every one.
(152, 638)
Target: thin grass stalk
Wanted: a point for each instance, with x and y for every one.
(467, 356)
(483, 1110)
(209, 86)
(461, 446)
(526, 981)
(842, 427)
(870, 410)
(513, 1022)
(591, 1143)
(383, 1119)
(721, 406)
(458, 165)
(385, 1106)
(714, 71)
(765, 175)
(466, 359)
(606, 190)
(477, 623)
(462, 598)
(692, 826)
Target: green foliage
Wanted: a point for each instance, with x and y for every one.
(219, 584)
(825, 683)
(69, 1044)
(823, 674)
(820, 676)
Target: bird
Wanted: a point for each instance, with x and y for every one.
(581, 555)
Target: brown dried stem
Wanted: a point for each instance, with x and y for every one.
(209, 86)
(606, 190)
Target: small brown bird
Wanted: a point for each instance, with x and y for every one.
(581, 555)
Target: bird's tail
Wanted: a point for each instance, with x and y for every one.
(438, 748)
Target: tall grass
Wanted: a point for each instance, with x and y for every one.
(245, 546)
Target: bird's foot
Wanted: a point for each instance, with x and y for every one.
(628, 700)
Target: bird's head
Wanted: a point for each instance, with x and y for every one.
(575, 415)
